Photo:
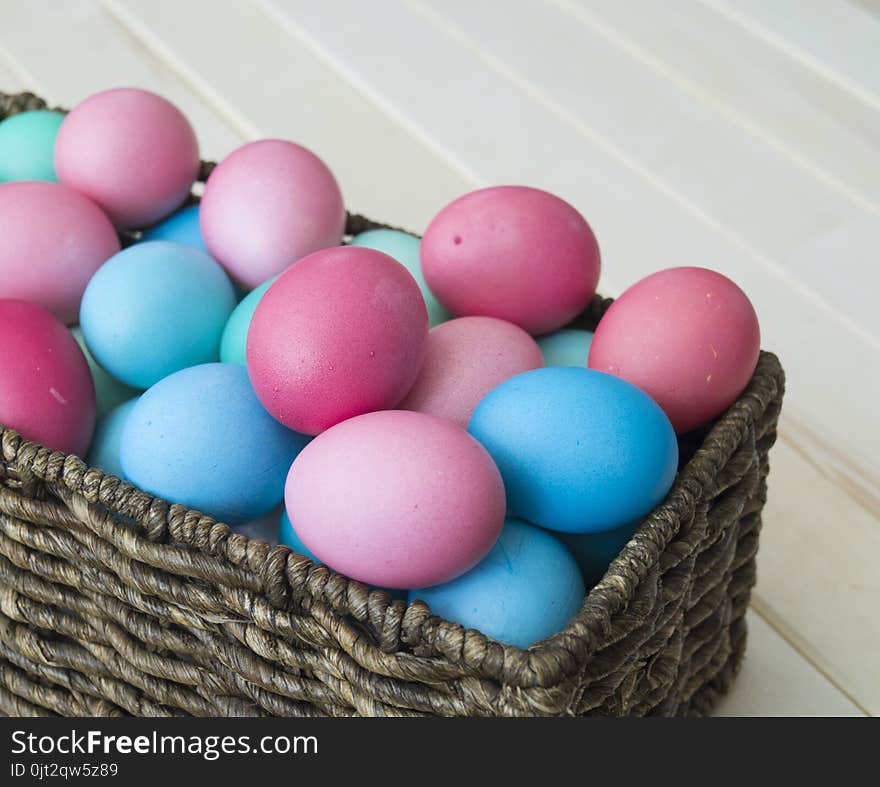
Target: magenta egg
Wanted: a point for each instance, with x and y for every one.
(46, 389)
(53, 240)
(340, 333)
(268, 204)
(688, 337)
(512, 252)
(466, 358)
(396, 498)
(131, 151)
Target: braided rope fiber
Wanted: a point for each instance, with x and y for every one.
(116, 603)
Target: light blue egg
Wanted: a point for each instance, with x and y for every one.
(181, 227)
(527, 588)
(568, 347)
(104, 453)
(288, 536)
(595, 551)
(201, 437)
(155, 308)
(109, 392)
(580, 451)
(27, 145)
(405, 249)
(233, 343)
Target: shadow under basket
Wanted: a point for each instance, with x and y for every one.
(114, 602)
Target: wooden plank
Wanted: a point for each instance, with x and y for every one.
(756, 87)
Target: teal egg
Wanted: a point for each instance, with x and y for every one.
(233, 343)
(27, 145)
(568, 347)
(109, 391)
(405, 249)
(104, 453)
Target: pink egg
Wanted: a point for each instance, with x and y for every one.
(689, 337)
(340, 333)
(46, 389)
(53, 240)
(466, 358)
(131, 151)
(512, 252)
(397, 499)
(266, 205)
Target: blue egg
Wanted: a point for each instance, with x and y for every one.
(568, 347)
(595, 551)
(405, 249)
(201, 437)
(153, 309)
(109, 392)
(181, 227)
(527, 588)
(233, 343)
(104, 453)
(580, 451)
(287, 536)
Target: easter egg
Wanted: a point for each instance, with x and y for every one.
(466, 358)
(595, 551)
(342, 332)
(288, 536)
(580, 451)
(405, 249)
(131, 151)
(527, 588)
(155, 308)
(46, 391)
(53, 241)
(396, 498)
(268, 204)
(566, 347)
(181, 227)
(264, 528)
(27, 145)
(512, 252)
(689, 337)
(104, 453)
(109, 391)
(200, 437)
(233, 342)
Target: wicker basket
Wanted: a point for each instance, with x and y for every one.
(113, 602)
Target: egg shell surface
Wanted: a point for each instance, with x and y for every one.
(268, 204)
(180, 227)
(200, 437)
(688, 336)
(580, 451)
(594, 552)
(465, 359)
(340, 333)
(109, 391)
(233, 342)
(396, 498)
(27, 145)
(566, 347)
(288, 536)
(527, 588)
(513, 252)
(53, 242)
(104, 453)
(405, 249)
(131, 151)
(46, 391)
(155, 308)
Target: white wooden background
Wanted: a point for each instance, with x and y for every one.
(742, 135)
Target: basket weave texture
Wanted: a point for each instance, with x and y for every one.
(114, 602)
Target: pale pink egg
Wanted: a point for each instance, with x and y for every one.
(340, 333)
(397, 499)
(46, 389)
(53, 240)
(688, 337)
(512, 252)
(466, 358)
(266, 205)
(133, 152)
